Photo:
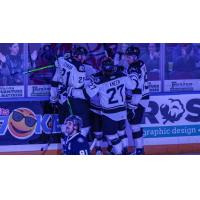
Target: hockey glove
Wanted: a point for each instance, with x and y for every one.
(65, 91)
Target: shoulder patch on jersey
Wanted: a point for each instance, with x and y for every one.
(81, 68)
(134, 77)
(67, 55)
(80, 140)
(133, 69)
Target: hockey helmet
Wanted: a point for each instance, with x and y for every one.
(108, 66)
(77, 121)
(133, 51)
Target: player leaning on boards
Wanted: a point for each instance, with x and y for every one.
(138, 99)
(72, 142)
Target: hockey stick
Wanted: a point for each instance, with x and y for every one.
(93, 144)
(38, 69)
(45, 148)
(68, 102)
(62, 81)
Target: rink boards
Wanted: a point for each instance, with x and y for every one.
(171, 126)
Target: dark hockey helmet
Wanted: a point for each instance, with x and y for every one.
(77, 121)
(133, 51)
(107, 65)
(80, 51)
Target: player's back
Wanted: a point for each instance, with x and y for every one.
(111, 90)
(72, 71)
(112, 95)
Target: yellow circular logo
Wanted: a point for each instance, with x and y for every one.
(22, 123)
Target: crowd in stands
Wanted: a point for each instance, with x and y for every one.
(182, 60)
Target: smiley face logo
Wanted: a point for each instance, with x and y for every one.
(22, 123)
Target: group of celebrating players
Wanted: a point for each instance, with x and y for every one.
(98, 102)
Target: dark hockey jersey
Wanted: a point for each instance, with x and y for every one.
(75, 145)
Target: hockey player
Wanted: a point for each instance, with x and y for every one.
(95, 112)
(72, 142)
(70, 75)
(110, 85)
(138, 99)
(96, 118)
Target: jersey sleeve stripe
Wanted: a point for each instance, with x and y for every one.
(92, 106)
(114, 110)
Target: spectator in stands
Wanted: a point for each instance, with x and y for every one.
(46, 55)
(120, 57)
(12, 68)
(197, 55)
(177, 51)
(2, 58)
(111, 49)
(152, 58)
(187, 61)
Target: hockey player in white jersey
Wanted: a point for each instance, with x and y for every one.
(96, 118)
(110, 85)
(95, 112)
(70, 75)
(138, 99)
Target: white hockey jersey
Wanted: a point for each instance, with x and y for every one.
(94, 101)
(145, 87)
(111, 91)
(141, 94)
(69, 74)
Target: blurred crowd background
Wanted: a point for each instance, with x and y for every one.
(181, 61)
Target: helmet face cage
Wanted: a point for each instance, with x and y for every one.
(77, 121)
